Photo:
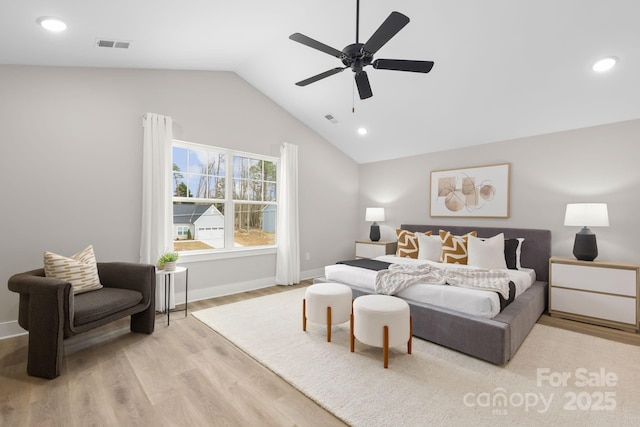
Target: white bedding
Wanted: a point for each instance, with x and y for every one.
(475, 302)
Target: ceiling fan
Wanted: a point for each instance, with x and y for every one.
(358, 55)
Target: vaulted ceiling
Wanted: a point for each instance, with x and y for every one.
(503, 69)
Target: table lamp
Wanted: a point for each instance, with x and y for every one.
(374, 214)
(585, 247)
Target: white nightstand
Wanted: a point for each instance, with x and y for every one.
(596, 292)
(369, 249)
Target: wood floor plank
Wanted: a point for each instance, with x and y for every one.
(179, 410)
(155, 366)
(125, 395)
(14, 403)
(242, 381)
(89, 392)
(50, 403)
(211, 402)
(15, 396)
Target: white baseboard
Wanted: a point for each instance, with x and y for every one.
(235, 288)
(310, 274)
(12, 329)
(220, 291)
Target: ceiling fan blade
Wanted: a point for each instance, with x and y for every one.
(308, 41)
(364, 88)
(403, 65)
(389, 28)
(320, 76)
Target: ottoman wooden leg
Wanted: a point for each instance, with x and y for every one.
(352, 337)
(328, 324)
(385, 346)
(410, 335)
(304, 314)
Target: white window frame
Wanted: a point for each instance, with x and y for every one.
(229, 251)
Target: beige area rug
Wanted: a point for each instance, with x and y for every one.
(558, 377)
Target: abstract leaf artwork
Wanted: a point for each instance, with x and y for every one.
(481, 191)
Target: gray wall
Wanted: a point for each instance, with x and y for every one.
(71, 167)
(596, 164)
(72, 149)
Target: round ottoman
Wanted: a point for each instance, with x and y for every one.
(326, 303)
(381, 321)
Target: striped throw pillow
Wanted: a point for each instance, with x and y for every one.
(80, 270)
(454, 248)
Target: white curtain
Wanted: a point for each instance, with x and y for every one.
(288, 253)
(156, 236)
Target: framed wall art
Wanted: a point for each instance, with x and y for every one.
(480, 192)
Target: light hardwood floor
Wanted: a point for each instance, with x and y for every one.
(181, 375)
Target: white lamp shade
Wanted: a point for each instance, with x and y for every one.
(375, 214)
(586, 215)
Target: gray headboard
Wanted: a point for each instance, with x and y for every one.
(536, 248)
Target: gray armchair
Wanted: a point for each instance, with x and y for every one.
(51, 312)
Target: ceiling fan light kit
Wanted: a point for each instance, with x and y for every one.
(359, 55)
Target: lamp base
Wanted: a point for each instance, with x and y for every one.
(585, 247)
(374, 234)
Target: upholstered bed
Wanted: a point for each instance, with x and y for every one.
(494, 339)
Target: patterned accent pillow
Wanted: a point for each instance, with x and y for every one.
(408, 243)
(454, 248)
(80, 270)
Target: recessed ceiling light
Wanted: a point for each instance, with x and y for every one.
(52, 24)
(362, 131)
(605, 64)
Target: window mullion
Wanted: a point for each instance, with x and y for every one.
(229, 207)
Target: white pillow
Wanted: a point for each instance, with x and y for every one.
(429, 247)
(487, 253)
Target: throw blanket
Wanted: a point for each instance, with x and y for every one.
(400, 276)
(489, 280)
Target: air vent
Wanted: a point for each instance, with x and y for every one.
(331, 118)
(117, 44)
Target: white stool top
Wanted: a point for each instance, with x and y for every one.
(380, 303)
(328, 289)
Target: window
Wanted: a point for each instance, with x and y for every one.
(222, 199)
(183, 231)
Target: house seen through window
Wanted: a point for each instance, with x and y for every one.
(222, 199)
